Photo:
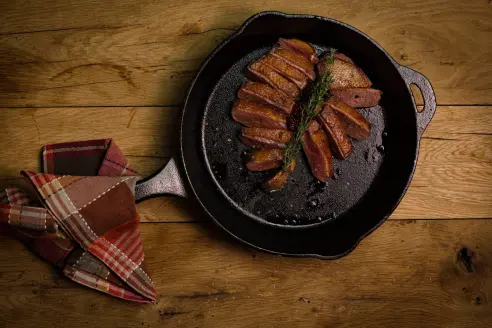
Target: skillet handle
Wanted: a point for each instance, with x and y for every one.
(166, 182)
(412, 77)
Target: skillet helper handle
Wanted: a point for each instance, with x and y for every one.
(167, 182)
(412, 77)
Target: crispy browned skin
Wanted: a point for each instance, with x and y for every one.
(358, 97)
(345, 75)
(265, 138)
(354, 123)
(301, 47)
(295, 60)
(265, 159)
(339, 141)
(286, 70)
(317, 149)
(256, 115)
(263, 93)
(344, 58)
(278, 181)
(264, 73)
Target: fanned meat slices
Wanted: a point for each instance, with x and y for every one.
(278, 181)
(286, 70)
(354, 123)
(317, 149)
(264, 73)
(301, 47)
(265, 138)
(263, 93)
(339, 141)
(358, 97)
(268, 109)
(265, 159)
(256, 115)
(296, 60)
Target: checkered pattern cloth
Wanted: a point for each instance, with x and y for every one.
(85, 221)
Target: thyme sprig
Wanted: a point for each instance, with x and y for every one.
(309, 110)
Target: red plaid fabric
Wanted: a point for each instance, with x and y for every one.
(88, 225)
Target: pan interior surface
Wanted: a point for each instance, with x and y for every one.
(199, 132)
(304, 200)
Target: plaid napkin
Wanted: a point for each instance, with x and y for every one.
(84, 221)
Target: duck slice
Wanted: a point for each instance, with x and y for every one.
(264, 73)
(256, 115)
(354, 123)
(277, 182)
(286, 70)
(265, 94)
(339, 142)
(265, 138)
(265, 159)
(301, 47)
(343, 57)
(345, 75)
(358, 97)
(295, 60)
(317, 149)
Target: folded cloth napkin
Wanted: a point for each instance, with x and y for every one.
(85, 221)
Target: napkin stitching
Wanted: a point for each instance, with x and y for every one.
(49, 184)
(77, 262)
(142, 271)
(80, 216)
(78, 210)
(141, 261)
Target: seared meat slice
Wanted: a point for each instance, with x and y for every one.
(358, 97)
(345, 75)
(354, 123)
(301, 47)
(256, 115)
(295, 60)
(339, 142)
(317, 149)
(265, 138)
(265, 94)
(278, 181)
(265, 159)
(286, 70)
(264, 73)
(344, 58)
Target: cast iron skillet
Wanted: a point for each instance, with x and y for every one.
(305, 218)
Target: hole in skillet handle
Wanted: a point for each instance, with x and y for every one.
(168, 181)
(424, 116)
(417, 96)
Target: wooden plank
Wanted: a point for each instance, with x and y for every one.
(405, 274)
(453, 177)
(145, 53)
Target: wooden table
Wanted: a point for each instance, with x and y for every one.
(76, 70)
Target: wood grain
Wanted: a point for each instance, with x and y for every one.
(406, 274)
(453, 177)
(145, 53)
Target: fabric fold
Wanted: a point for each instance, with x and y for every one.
(88, 224)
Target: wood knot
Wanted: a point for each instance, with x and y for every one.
(465, 256)
(304, 299)
(190, 29)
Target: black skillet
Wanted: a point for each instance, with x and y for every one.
(306, 218)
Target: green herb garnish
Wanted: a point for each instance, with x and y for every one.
(309, 110)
